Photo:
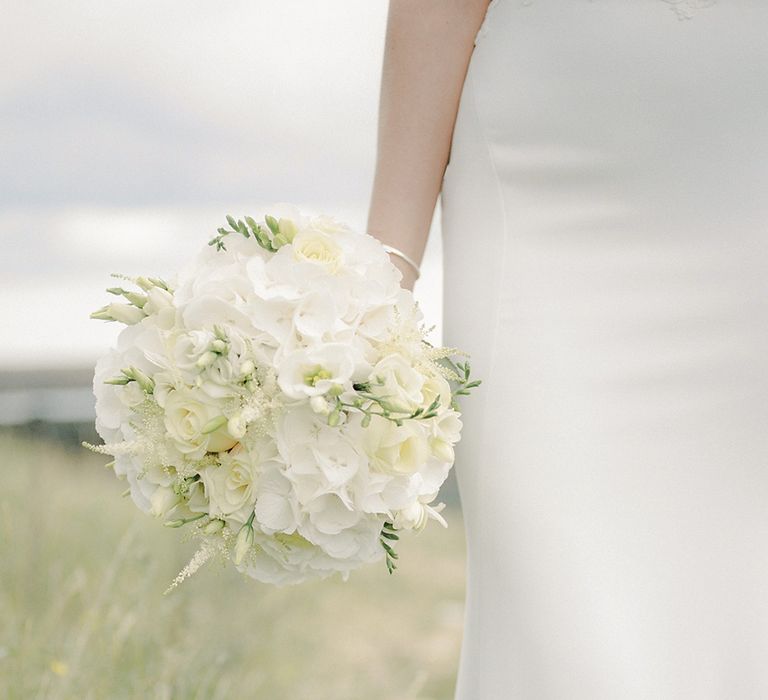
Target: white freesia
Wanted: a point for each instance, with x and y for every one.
(394, 449)
(397, 383)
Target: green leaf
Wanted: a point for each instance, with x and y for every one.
(272, 223)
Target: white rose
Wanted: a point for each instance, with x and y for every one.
(393, 449)
(231, 486)
(187, 414)
(318, 248)
(397, 383)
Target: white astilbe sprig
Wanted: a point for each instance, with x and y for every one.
(204, 554)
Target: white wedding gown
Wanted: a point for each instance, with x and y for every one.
(605, 224)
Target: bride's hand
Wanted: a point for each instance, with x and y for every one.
(428, 46)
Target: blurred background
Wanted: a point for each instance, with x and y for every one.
(127, 132)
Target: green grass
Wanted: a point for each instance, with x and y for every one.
(84, 616)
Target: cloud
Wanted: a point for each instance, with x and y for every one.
(152, 103)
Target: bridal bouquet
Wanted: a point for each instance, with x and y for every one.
(280, 400)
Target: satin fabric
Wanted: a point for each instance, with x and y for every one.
(605, 237)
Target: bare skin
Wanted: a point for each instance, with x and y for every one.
(427, 50)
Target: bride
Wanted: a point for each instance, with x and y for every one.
(602, 167)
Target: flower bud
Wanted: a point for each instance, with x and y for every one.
(287, 229)
(124, 313)
(247, 368)
(242, 543)
(206, 359)
(174, 523)
(219, 345)
(144, 381)
(412, 517)
(320, 405)
(213, 527)
(162, 501)
(138, 300)
(158, 299)
(334, 417)
(117, 381)
(236, 426)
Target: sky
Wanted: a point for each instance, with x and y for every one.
(128, 131)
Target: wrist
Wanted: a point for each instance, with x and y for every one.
(404, 257)
(409, 276)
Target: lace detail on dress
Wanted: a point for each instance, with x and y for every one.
(684, 9)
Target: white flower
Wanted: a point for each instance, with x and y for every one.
(162, 501)
(395, 381)
(276, 507)
(436, 386)
(327, 224)
(189, 347)
(234, 400)
(318, 248)
(188, 417)
(313, 371)
(317, 315)
(230, 486)
(320, 405)
(394, 449)
(445, 432)
(416, 516)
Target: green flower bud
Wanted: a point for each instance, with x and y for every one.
(174, 523)
(138, 300)
(287, 229)
(213, 527)
(145, 382)
(206, 359)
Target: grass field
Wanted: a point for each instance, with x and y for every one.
(84, 616)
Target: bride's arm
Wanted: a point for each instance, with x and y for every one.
(426, 53)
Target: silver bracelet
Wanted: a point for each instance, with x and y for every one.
(401, 254)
